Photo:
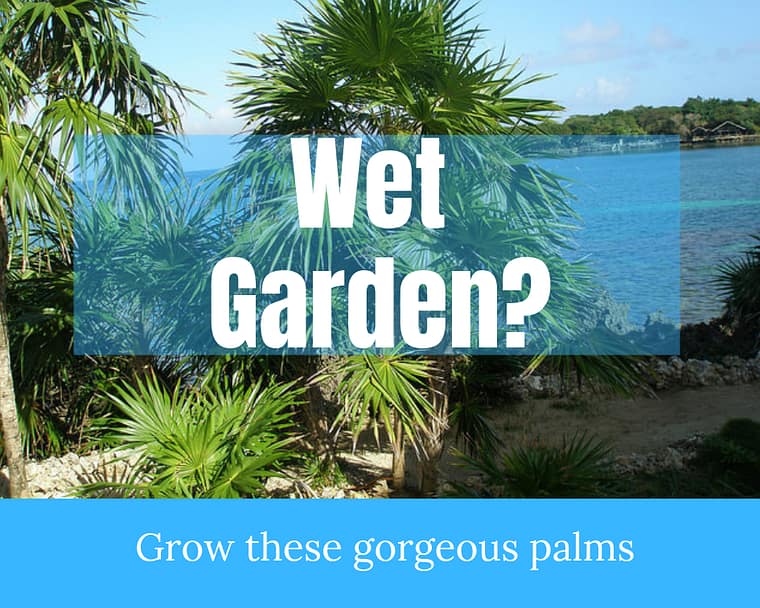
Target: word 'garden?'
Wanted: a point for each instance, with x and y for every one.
(378, 305)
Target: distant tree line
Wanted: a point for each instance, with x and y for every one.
(664, 120)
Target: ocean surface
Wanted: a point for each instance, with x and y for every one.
(650, 217)
(658, 245)
(720, 209)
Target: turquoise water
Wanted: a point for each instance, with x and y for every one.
(720, 209)
(634, 242)
(629, 205)
(638, 240)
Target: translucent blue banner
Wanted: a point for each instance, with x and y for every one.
(428, 245)
(375, 552)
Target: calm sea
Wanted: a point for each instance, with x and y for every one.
(720, 209)
(636, 252)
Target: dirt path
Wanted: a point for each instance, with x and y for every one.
(634, 425)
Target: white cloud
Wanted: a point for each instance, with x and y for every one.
(606, 90)
(590, 33)
(592, 54)
(589, 43)
(221, 121)
(613, 89)
(662, 39)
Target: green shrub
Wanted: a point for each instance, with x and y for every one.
(320, 472)
(744, 432)
(573, 469)
(217, 438)
(473, 431)
(738, 281)
(727, 466)
(735, 449)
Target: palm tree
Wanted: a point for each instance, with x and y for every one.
(383, 67)
(385, 390)
(67, 68)
(386, 67)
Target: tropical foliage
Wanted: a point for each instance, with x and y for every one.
(385, 390)
(575, 468)
(386, 68)
(647, 120)
(215, 438)
(219, 427)
(381, 67)
(68, 68)
(738, 282)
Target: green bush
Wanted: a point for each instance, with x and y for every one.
(738, 282)
(217, 438)
(320, 472)
(575, 468)
(734, 450)
(57, 394)
(473, 431)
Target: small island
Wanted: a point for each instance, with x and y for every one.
(698, 122)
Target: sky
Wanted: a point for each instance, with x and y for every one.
(601, 55)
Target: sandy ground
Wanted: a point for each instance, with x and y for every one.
(640, 425)
(633, 425)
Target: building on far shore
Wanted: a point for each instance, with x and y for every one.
(725, 130)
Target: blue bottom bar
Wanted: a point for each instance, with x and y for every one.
(380, 553)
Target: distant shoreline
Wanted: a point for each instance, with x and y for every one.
(734, 140)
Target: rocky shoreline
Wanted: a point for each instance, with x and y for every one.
(659, 374)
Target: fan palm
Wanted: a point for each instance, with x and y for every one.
(382, 67)
(215, 438)
(738, 282)
(67, 68)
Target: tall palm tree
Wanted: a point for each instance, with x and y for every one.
(67, 68)
(383, 67)
(389, 67)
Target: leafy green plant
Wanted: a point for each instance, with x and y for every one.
(56, 392)
(473, 430)
(322, 472)
(384, 68)
(68, 69)
(692, 482)
(573, 469)
(745, 432)
(384, 391)
(212, 439)
(618, 374)
(40, 335)
(735, 450)
(738, 282)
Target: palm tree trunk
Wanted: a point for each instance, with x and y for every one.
(319, 438)
(398, 468)
(315, 411)
(433, 443)
(14, 453)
